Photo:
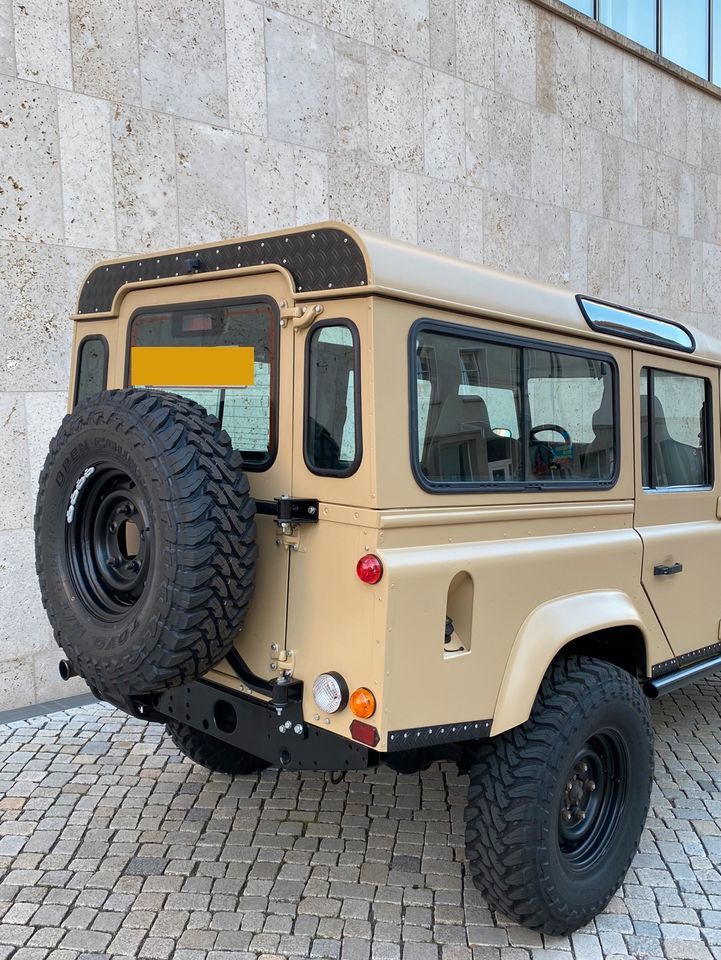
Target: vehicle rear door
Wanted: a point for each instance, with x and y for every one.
(254, 407)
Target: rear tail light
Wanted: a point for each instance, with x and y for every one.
(363, 703)
(369, 568)
(364, 733)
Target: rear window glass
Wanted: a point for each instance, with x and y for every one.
(496, 412)
(92, 368)
(248, 412)
(332, 422)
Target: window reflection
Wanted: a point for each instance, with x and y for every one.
(635, 19)
(684, 34)
(585, 6)
(687, 32)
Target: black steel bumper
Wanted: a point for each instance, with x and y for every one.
(276, 734)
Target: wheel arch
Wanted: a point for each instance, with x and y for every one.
(605, 624)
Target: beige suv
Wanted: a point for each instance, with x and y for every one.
(324, 500)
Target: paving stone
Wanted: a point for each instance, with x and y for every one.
(117, 848)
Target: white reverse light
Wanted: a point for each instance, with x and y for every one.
(330, 692)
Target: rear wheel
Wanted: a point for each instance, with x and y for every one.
(211, 753)
(556, 806)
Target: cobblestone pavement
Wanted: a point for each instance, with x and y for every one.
(111, 844)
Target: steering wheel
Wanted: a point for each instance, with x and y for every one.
(546, 465)
(549, 426)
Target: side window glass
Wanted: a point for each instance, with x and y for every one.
(332, 421)
(497, 413)
(570, 402)
(92, 368)
(674, 429)
(468, 398)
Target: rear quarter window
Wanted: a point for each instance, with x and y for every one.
(92, 375)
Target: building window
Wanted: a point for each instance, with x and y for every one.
(92, 367)
(684, 34)
(332, 413)
(675, 432)
(687, 32)
(635, 19)
(490, 412)
(584, 6)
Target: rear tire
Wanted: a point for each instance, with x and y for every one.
(211, 753)
(556, 806)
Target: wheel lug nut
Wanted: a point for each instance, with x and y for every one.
(113, 527)
(590, 786)
(133, 566)
(566, 815)
(580, 815)
(113, 562)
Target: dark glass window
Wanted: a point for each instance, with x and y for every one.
(247, 413)
(675, 434)
(332, 421)
(494, 413)
(684, 34)
(92, 368)
(635, 19)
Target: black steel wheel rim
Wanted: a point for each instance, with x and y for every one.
(593, 800)
(108, 540)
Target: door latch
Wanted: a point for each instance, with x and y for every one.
(667, 571)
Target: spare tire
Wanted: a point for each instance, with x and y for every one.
(145, 541)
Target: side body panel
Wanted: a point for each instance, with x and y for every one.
(538, 568)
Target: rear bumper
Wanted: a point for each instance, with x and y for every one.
(278, 735)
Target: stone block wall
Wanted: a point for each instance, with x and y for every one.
(490, 129)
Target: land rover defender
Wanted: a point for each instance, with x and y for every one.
(324, 500)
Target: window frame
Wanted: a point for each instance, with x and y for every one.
(523, 343)
(273, 393)
(356, 462)
(79, 355)
(709, 443)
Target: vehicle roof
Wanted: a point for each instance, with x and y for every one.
(336, 259)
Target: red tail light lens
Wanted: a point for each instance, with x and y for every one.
(369, 568)
(364, 733)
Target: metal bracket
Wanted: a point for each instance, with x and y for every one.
(289, 510)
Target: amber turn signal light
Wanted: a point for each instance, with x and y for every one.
(363, 703)
(369, 568)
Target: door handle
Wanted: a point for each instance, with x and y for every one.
(663, 571)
